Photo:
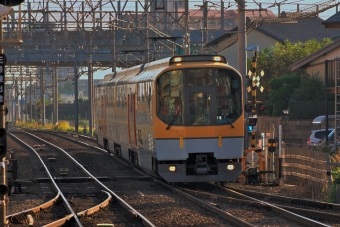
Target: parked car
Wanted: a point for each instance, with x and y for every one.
(331, 137)
(317, 136)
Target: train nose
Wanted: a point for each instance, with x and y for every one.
(202, 169)
(201, 165)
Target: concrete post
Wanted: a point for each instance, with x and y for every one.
(337, 189)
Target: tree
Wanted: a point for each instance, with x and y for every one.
(82, 100)
(290, 88)
(67, 87)
(310, 90)
(281, 93)
(275, 62)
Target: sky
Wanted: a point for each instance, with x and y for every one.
(286, 5)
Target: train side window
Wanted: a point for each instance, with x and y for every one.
(170, 97)
(228, 94)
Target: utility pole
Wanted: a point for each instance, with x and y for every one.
(55, 95)
(21, 96)
(147, 31)
(3, 137)
(187, 34)
(42, 96)
(205, 22)
(76, 124)
(16, 109)
(90, 84)
(242, 63)
(31, 116)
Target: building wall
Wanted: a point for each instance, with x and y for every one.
(317, 66)
(253, 38)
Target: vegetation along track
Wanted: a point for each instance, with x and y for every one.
(84, 197)
(284, 212)
(162, 204)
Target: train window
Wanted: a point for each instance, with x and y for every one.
(170, 97)
(199, 108)
(206, 93)
(228, 96)
(199, 77)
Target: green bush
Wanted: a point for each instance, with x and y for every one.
(336, 180)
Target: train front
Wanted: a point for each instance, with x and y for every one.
(199, 123)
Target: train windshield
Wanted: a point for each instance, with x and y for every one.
(203, 96)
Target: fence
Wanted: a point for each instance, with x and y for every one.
(307, 166)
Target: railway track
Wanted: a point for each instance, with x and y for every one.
(276, 210)
(158, 201)
(161, 203)
(81, 194)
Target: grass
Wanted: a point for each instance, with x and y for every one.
(62, 126)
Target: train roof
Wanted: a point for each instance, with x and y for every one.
(148, 71)
(140, 70)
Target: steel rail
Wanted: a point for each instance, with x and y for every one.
(223, 214)
(96, 208)
(134, 213)
(289, 200)
(288, 214)
(60, 222)
(66, 205)
(21, 217)
(225, 199)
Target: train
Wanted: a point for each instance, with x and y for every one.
(166, 118)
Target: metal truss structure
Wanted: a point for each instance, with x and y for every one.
(112, 34)
(80, 37)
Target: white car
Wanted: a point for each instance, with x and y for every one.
(331, 137)
(317, 136)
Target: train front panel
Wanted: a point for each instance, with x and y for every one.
(198, 123)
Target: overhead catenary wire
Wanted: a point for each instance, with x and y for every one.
(305, 12)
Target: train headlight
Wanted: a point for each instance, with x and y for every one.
(172, 168)
(217, 58)
(177, 59)
(230, 167)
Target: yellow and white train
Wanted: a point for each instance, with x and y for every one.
(166, 117)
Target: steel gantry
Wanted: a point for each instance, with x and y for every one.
(87, 36)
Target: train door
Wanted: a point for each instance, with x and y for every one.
(133, 155)
(105, 123)
(200, 106)
(132, 120)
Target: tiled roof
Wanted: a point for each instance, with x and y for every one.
(333, 21)
(300, 30)
(196, 35)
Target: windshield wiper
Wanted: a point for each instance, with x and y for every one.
(174, 118)
(230, 122)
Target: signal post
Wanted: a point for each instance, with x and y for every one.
(253, 159)
(6, 7)
(253, 162)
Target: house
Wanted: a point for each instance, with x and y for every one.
(325, 63)
(268, 35)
